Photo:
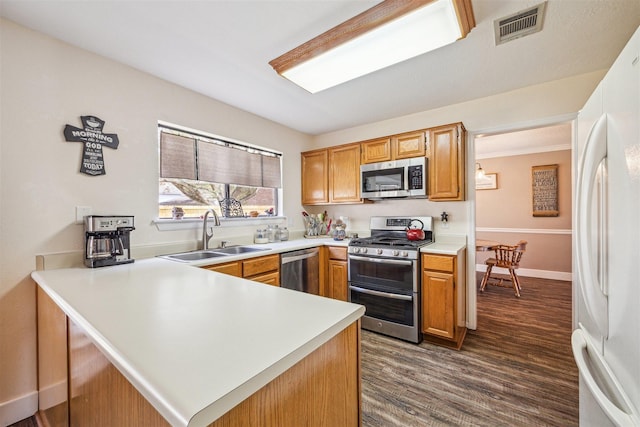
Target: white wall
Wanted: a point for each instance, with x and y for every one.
(47, 84)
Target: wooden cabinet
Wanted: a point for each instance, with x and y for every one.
(376, 150)
(331, 175)
(264, 269)
(403, 146)
(230, 268)
(446, 163)
(315, 177)
(411, 144)
(443, 299)
(337, 279)
(344, 176)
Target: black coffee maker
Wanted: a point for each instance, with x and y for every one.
(107, 240)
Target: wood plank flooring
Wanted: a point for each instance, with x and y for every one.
(516, 369)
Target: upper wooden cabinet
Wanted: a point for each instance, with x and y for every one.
(315, 177)
(403, 146)
(331, 175)
(376, 150)
(411, 144)
(446, 163)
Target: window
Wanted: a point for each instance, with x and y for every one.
(200, 172)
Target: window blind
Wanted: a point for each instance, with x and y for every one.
(217, 161)
(177, 156)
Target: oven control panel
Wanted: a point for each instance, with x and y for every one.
(383, 252)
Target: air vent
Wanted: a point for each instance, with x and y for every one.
(520, 24)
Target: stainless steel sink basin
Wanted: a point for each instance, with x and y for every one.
(235, 250)
(211, 253)
(194, 256)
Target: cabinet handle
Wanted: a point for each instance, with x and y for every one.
(381, 294)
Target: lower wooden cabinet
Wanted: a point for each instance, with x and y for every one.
(264, 269)
(442, 300)
(230, 268)
(333, 273)
(337, 277)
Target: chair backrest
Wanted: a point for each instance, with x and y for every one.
(511, 255)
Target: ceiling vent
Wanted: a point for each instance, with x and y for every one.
(520, 24)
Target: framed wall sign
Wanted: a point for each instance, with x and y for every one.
(544, 187)
(488, 182)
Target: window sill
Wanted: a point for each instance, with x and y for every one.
(194, 223)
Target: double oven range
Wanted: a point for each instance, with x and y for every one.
(384, 276)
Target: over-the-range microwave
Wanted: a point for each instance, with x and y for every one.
(396, 178)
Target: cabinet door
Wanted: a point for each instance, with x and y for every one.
(409, 145)
(438, 304)
(260, 265)
(338, 286)
(376, 150)
(315, 177)
(344, 179)
(230, 268)
(446, 163)
(272, 278)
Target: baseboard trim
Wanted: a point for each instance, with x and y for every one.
(18, 409)
(529, 272)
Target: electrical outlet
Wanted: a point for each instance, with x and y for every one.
(81, 212)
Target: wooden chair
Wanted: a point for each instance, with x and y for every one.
(506, 257)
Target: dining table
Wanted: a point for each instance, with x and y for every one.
(485, 245)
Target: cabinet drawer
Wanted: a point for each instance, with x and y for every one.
(272, 278)
(339, 253)
(231, 268)
(260, 265)
(438, 262)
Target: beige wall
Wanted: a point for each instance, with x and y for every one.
(509, 209)
(47, 84)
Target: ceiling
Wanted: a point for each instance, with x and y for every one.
(222, 48)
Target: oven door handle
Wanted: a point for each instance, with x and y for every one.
(381, 294)
(381, 260)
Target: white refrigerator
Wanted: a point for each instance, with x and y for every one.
(606, 336)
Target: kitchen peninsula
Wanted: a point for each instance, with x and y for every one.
(162, 343)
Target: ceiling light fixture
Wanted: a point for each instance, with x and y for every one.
(388, 33)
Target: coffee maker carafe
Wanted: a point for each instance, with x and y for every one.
(107, 240)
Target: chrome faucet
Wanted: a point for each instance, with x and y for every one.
(206, 235)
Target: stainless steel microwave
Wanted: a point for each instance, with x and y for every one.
(396, 178)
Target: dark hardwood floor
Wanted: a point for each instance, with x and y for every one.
(516, 369)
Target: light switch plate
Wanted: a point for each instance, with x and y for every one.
(81, 212)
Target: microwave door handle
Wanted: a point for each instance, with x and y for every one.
(381, 294)
(381, 260)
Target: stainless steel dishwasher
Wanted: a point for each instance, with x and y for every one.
(300, 269)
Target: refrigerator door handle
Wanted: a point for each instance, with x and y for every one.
(597, 376)
(592, 278)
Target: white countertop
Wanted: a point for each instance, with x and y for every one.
(195, 343)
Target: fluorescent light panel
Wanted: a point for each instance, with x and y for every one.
(430, 26)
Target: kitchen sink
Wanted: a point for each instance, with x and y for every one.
(235, 250)
(194, 256)
(211, 253)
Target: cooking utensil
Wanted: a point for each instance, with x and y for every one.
(415, 230)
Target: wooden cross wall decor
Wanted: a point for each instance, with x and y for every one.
(93, 139)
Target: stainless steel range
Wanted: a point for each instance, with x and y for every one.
(384, 276)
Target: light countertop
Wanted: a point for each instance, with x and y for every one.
(195, 343)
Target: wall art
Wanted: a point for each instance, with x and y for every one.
(544, 186)
(93, 139)
(488, 182)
